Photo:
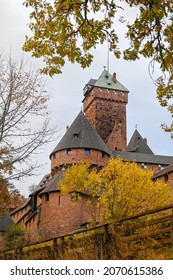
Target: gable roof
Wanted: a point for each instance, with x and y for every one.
(138, 145)
(81, 134)
(5, 221)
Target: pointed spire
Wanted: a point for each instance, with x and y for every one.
(137, 144)
(81, 134)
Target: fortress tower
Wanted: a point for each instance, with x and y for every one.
(104, 105)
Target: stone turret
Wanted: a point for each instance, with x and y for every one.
(104, 104)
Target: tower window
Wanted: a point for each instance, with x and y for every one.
(68, 151)
(87, 151)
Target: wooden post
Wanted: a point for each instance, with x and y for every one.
(171, 227)
(62, 244)
(55, 248)
(106, 243)
(115, 241)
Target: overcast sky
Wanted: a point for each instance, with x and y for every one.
(66, 90)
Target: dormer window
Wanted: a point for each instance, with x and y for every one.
(76, 135)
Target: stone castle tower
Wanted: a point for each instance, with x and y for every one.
(104, 105)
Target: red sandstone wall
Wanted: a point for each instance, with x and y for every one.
(77, 155)
(170, 178)
(19, 214)
(153, 167)
(59, 215)
(32, 228)
(106, 111)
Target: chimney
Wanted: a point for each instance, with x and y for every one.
(67, 127)
(145, 140)
(114, 77)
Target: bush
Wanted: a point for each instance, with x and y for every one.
(15, 236)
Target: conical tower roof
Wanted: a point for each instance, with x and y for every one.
(138, 144)
(81, 134)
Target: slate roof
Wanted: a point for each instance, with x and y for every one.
(138, 145)
(5, 221)
(105, 80)
(81, 134)
(41, 185)
(144, 158)
(52, 184)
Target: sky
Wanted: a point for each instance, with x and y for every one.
(66, 90)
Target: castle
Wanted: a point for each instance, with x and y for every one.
(98, 132)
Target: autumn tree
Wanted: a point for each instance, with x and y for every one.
(24, 119)
(71, 29)
(10, 197)
(120, 189)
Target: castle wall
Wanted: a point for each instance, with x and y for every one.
(32, 227)
(167, 178)
(151, 166)
(17, 215)
(59, 215)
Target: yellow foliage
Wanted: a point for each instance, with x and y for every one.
(71, 29)
(120, 189)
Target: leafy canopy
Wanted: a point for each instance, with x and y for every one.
(72, 28)
(121, 188)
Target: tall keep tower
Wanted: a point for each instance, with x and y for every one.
(104, 105)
